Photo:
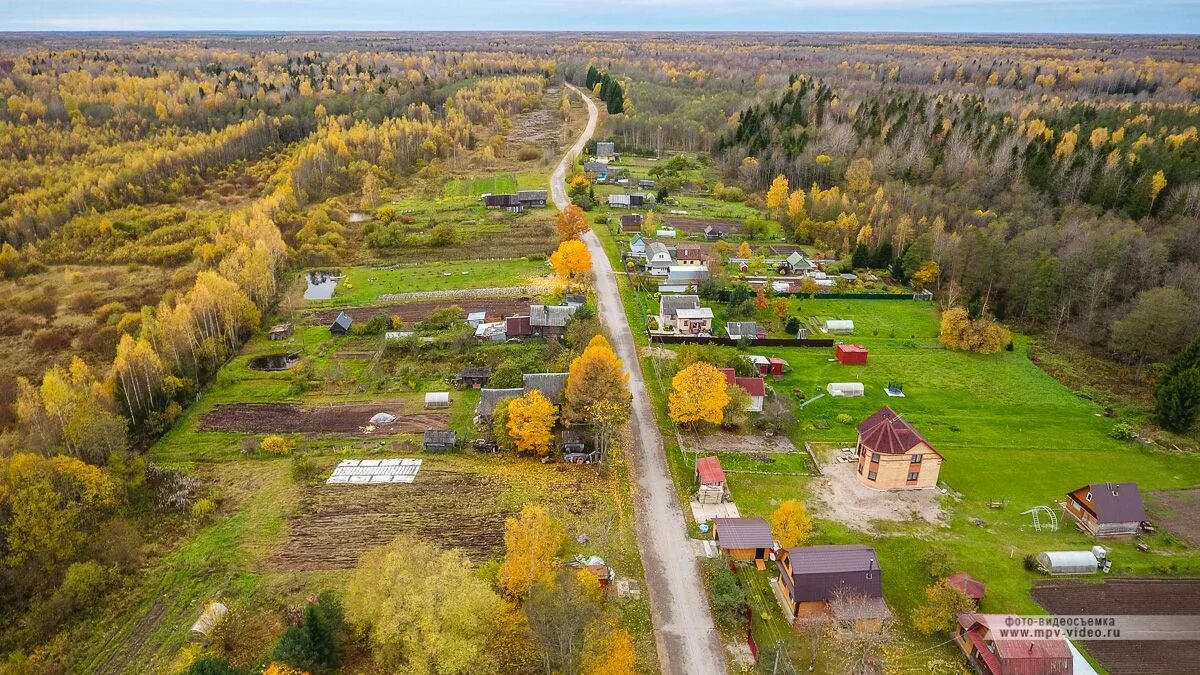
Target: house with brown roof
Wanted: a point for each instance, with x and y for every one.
(1107, 509)
(844, 580)
(978, 636)
(631, 222)
(689, 256)
(747, 539)
(893, 456)
(755, 386)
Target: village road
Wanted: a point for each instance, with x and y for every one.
(688, 642)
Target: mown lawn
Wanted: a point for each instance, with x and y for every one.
(365, 285)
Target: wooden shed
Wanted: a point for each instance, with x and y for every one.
(712, 480)
(341, 325)
(744, 539)
(851, 355)
(280, 331)
(440, 440)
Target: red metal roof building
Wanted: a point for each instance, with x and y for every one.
(893, 455)
(978, 637)
(851, 355)
(755, 386)
(709, 470)
(970, 587)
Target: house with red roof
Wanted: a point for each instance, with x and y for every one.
(755, 386)
(979, 636)
(892, 455)
(970, 587)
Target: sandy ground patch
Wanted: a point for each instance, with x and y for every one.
(723, 441)
(706, 512)
(839, 496)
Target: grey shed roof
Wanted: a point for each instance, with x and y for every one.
(440, 437)
(550, 384)
(550, 315)
(475, 372)
(668, 305)
(1117, 502)
(525, 195)
(742, 328)
(343, 319)
(743, 533)
(833, 558)
(489, 399)
(656, 247)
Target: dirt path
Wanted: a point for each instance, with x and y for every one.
(688, 641)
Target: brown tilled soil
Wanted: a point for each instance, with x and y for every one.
(337, 523)
(1178, 511)
(355, 418)
(1130, 596)
(496, 308)
(696, 225)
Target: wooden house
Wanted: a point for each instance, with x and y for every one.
(1107, 509)
(280, 331)
(978, 636)
(508, 202)
(637, 247)
(747, 539)
(606, 149)
(743, 330)
(843, 578)
(715, 232)
(551, 385)
(341, 325)
(851, 355)
(532, 199)
(550, 320)
(711, 477)
(893, 456)
(490, 399)
(631, 222)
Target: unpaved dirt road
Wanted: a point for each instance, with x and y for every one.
(688, 642)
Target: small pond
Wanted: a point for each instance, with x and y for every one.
(320, 285)
(274, 361)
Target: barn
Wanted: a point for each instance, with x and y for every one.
(744, 539)
(851, 355)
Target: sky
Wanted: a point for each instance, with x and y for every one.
(974, 16)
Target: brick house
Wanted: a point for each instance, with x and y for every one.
(893, 456)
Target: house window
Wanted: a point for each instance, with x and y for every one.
(875, 457)
(871, 476)
(912, 475)
(860, 468)
(916, 459)
(1089, 495)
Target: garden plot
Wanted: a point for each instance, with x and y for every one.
(1130, 596)
(335, 524)
(374, 471)
(1178, 511)
(496, 309)
(722, 441)
(284, 418)
(697, 225)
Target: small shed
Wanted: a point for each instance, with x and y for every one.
(341, 325)
(970, 587)
(476, 318)
(440, 440)
(475, 378)
(776, 366)
(1057, 563)
(437, 399)
(209, 619)
(839, 326)
(280, 331)
(851, 355)
(712, 481)
(744, 538)
(846, 389)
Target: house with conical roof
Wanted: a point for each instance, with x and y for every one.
(892, 455)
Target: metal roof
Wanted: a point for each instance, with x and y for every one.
(888, 433)
(550, 384)
(343, 319)
(742, 328)
(668, 305)
(1037, 655)
(833, 558)
(970, 586)
(743, 533)
(440, 436)
(710, 471)
(555, 316)
(489, 399)
(1117, 502)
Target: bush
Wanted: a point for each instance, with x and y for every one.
(444, 234)
(304, 468)
(207, 665)
(792, 327)
(528, 154)
(1122, 431)
(1031, 563)
(312, 646)
(202, 508)
(728, 596)
(843, 418)
(937, 561)
(85, 583)
(276, 445)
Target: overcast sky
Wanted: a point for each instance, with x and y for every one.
(1041, 16)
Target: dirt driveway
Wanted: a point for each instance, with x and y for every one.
(288, 418)
(840, 497)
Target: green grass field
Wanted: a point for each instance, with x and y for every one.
(364, 285)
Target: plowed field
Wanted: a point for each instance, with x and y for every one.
(355, 418)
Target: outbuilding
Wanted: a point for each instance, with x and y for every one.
(631, 222)
(744, 539)
(851, 355)
(970, 587)
(712, 481)
(280, 331)
(839, 326)
(846, 389)
(989, 651)
(475, 378)
(437, 399)
(440, 440)
(1060, 563)
(341, 325)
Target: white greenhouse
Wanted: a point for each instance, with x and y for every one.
(437, 399)
(845, 389)
(839, 326)
(1058, 563)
